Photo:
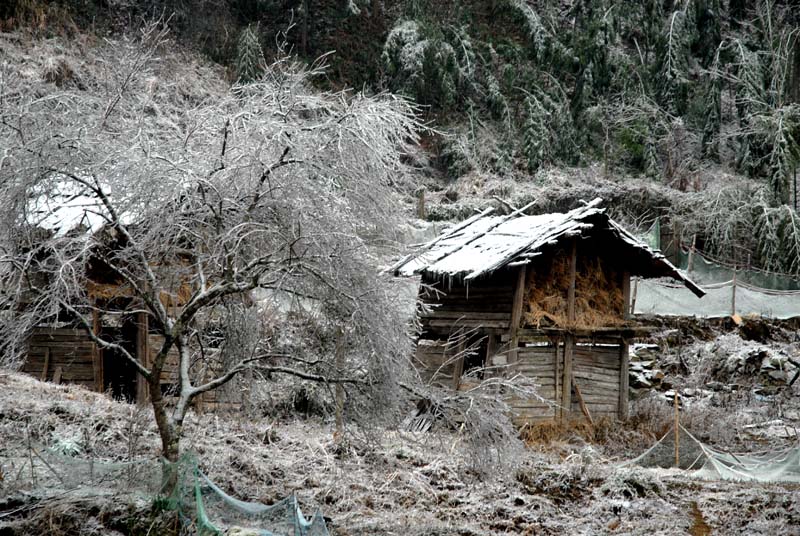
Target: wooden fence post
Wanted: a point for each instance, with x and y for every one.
(677, 432)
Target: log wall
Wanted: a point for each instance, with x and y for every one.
(70, 351)
(538, 363)
(482, 304)
(431, 360)
(596, 369)
(170, 372)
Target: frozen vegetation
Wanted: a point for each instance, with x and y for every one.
(225, 145)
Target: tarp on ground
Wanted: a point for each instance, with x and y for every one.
(707, 463)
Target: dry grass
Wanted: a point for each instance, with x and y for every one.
(598, 294)
(608, 434)
(411, 484)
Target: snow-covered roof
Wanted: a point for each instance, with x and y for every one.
(62, 205)
(485, 243)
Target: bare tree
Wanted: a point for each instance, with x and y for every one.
(188, 200)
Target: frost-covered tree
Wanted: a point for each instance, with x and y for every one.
(204, 217)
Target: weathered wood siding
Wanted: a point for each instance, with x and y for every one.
(207, 401)
(433, 361)
(70, 350)
(596, 369)
(169, 374)
(538, 363)
(485, 303)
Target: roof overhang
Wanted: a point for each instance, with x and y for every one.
(485, 243)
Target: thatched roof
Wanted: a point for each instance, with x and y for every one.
(484, 243)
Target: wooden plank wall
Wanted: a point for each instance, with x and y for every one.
(69, 350)
(479, 305)
(539, 364)
(596, 369)
(169, 375)
(430, 359)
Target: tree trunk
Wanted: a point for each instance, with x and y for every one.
(794, 79)
(166, 429)
(170, 438)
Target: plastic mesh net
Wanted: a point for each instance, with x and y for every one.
(757, 292)
(712, 464)
(707, 272)
(663, 298)
(204, 508)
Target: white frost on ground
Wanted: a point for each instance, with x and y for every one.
(399, 483)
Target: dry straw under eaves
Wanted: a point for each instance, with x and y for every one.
(598, 294)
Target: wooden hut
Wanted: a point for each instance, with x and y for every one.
(545, 296)
(62, 350)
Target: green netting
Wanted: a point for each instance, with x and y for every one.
(204, 508)
(708, 463)
(657, 297)
(753, 292)
(652, 237)
(706, 272)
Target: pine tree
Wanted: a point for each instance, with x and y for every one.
(249, 56)
(535, 136)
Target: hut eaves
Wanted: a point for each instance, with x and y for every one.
(486, 243)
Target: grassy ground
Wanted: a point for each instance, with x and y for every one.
(388, 483)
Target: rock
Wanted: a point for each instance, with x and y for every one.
(643, 352)
(778, 375)
(719, 386)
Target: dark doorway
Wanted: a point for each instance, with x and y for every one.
(119, 374)
(475, 359)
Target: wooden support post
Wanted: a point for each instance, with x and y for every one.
(690, 262)
(57, 375)
(516, 313)
(633, 296)
(623, 380)
(143, 355)
(557, 379)
(97, 354)
(573, 266)
(626, 295)
(569, 338)
(677, 432)
(46, 366)
(421, 204)
(491, 350)
(566, 381)
(733, 293)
